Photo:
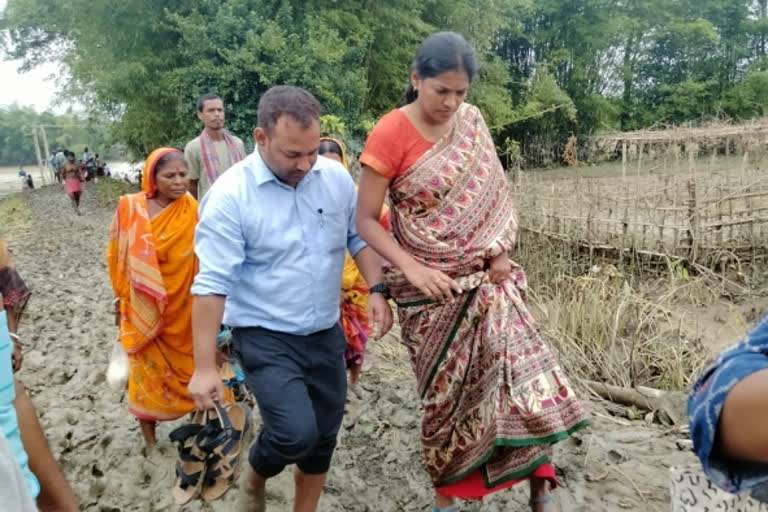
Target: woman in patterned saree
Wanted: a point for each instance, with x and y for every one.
(494, 396)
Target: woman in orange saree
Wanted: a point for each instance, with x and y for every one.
(354, 290)
(152, 264)
(494, 396)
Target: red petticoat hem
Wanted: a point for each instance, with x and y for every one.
(473, 486)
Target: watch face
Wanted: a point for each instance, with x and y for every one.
(379, 288)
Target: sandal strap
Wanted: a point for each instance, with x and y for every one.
(184, 432)
(186, 455)
(212, 474)
(223, 450)
(221, 412)
(211, 437)
(187, 480)
(215, 434)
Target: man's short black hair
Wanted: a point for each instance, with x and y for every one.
(206, 97)
(287, 100)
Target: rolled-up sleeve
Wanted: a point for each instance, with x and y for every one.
(355, 244)
(219, 244)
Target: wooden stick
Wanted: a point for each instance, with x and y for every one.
(624, 161)
(693, 221)
(671, 403)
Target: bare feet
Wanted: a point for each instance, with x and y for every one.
(541, 497)
(252, 492)
(442, 501)
(148, 431)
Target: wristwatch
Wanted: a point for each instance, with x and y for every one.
(382, 289)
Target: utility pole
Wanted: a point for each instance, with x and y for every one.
(39, 159)
(51, 175)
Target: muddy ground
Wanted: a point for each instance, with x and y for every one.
(615, 464)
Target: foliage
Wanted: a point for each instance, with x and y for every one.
(17, 125)
(333, 126)
(550, 68)
(109, 190)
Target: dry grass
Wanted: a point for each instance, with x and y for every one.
(109, 190)
(14, 213)
(622, 325)
(619, 324)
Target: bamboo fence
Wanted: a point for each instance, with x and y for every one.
(700, 197)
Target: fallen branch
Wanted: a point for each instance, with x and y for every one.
(529, 116)
(670, 405)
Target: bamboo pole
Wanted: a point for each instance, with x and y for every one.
(719, 238)
(730, 216)
(693, 230)
(624, 161)
(37, 152)
(691, 156)
(51, 174)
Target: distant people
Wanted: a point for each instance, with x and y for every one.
(72, 174)
(99, 167)
(214, 151)
(23, 178)
(106, 170)
(87, 155)
(54, 163)
(90, 165)
(30, 182)
(61, 158)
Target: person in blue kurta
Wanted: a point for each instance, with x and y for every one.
(9, 423)
(272, 239)
(728, 416)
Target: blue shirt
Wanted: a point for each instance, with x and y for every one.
(277, 252)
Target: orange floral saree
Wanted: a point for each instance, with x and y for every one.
(152, 264)
(354, 293)
(495, 398)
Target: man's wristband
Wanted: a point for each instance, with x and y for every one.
(382, 289)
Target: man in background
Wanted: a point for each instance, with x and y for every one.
(214, 151)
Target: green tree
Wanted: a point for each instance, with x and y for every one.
(550, 69)
(17, 125)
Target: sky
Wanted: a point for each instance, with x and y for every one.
(34, 88)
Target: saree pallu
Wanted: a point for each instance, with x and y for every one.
(152, 265)
(12, 287)
(353, 316)
(494, 396)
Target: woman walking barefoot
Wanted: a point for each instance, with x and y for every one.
(152, 263)
(494, 396)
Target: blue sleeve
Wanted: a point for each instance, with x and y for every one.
(355, 244)
(219, 244)
(705, 403)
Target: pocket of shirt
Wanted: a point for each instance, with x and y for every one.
(333, 230)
